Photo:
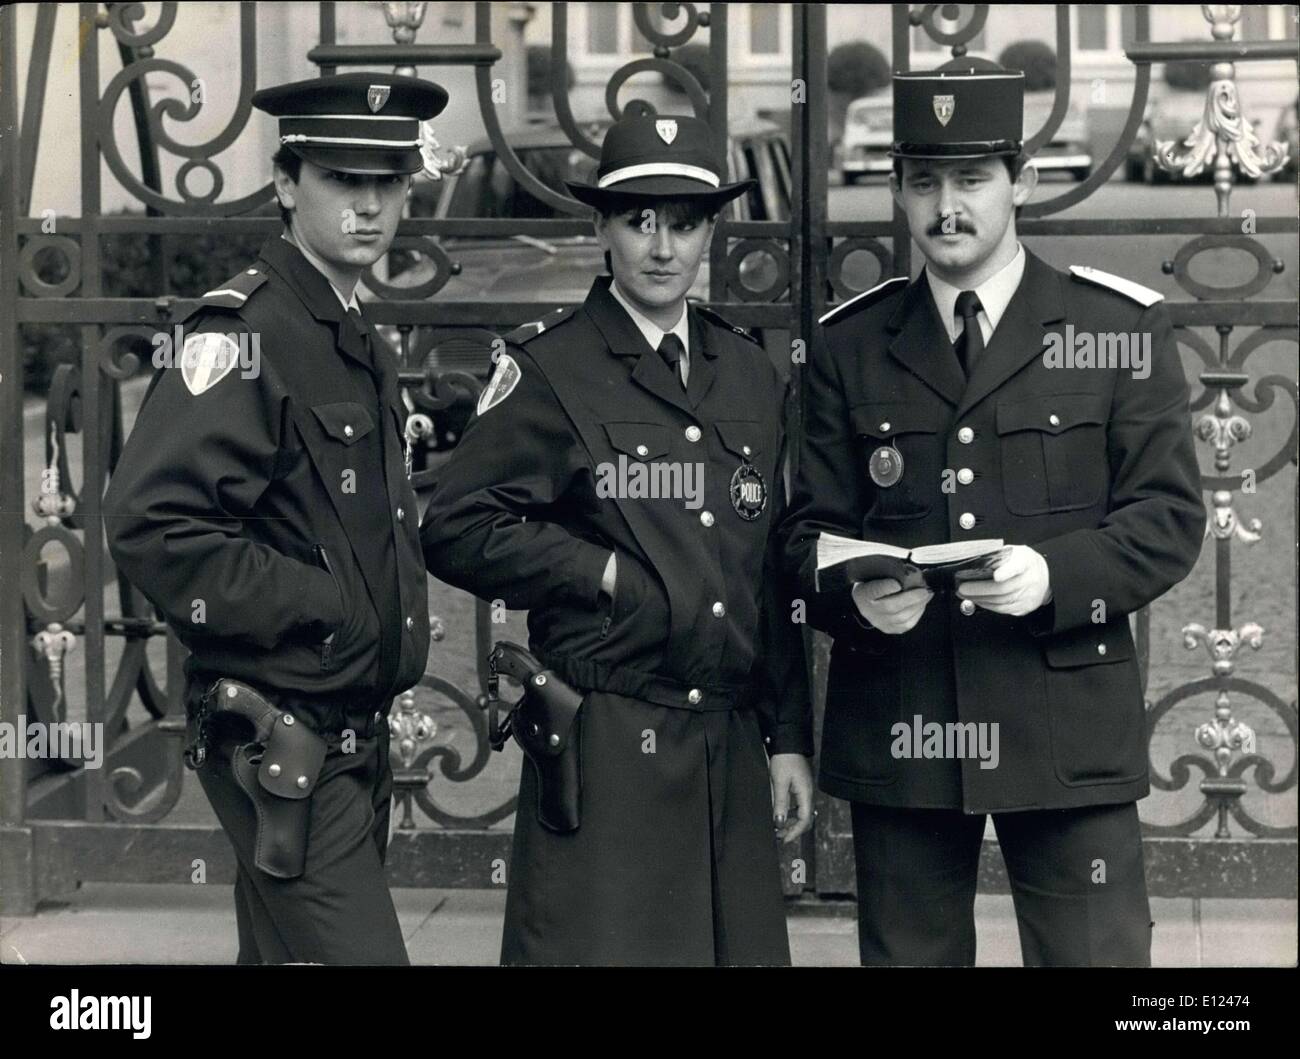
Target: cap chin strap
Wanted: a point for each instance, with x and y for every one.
(631, 172)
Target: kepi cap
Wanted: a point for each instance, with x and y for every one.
(368, 123)
(964, 109)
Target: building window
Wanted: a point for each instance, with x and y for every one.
(1091, 22)
(602, 28)
(764, 29)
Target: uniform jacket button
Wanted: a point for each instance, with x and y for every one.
(967, 607)
(274, 770)
(886, 426)
(641, 450)
(746, 450)
(401, 515)
(965, 435)
(302, 782)
(967, 520)
(378, 716)
(693, 696)
(965, 476)
(692, 433)
(1054, 419)
(348, 431)
(1101, 648)
(719, 611)
(410, 623)
(706, 517)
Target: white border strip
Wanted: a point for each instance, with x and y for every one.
(630, 172)
(353, 140)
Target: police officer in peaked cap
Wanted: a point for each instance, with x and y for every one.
(943, 409)
(263, 504)
(662, 607)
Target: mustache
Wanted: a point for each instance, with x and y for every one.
(959, 225)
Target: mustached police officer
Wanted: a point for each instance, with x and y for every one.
(660, 603)
(933, 415)
(263, 504)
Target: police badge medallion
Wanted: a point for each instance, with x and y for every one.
(377, 96)
(886, 466)
(667, 129)
(748, 492)
(943, 108)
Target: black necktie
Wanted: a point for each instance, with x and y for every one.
(970, 344)
(672, 350)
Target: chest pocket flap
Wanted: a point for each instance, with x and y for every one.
(344, 421)
(1052, 413)
(740, 436)
(641, 441)
(886, 419)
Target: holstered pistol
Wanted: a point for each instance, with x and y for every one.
(277, 768)
(546, 724)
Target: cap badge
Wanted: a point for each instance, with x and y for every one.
(667, 129)
(377, 96)
(943, 108)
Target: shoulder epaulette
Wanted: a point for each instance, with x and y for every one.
(865, 299)
(1144, 296)
(235, 291)
(525, 332)
(727, 325)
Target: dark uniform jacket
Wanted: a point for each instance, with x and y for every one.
(279, 498)
(696, 620)
(1093, 468)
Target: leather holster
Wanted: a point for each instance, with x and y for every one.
(277, 769)
(547, 725)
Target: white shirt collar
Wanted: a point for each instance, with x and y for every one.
(654, 334)
(317, 264)
(995, 294)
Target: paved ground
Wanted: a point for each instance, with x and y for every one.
(195, 924)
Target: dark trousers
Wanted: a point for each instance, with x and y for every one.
(1076, 877)
(339, 911)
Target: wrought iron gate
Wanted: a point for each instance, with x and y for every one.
(66, 653)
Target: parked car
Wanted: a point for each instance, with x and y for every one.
(522, 267)
(1070, 148)
(869, 133)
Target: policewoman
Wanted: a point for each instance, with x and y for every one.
(661, 603)
(937, 412)
(263, 504)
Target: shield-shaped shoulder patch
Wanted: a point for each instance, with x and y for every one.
(502, 383)
(207, 359)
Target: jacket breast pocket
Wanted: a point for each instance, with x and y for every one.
(344, 421)
(1094, 702)
(914, 431)
(639, 441)
(1053, 452)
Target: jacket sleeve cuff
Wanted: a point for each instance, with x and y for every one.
(1073, 599)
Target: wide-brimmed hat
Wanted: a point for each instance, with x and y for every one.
(355, 123)
(650, 156)
(964, 109)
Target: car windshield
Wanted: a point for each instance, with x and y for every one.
(488, 189)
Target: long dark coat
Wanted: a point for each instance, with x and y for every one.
(1092, 467)
(692, 670)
